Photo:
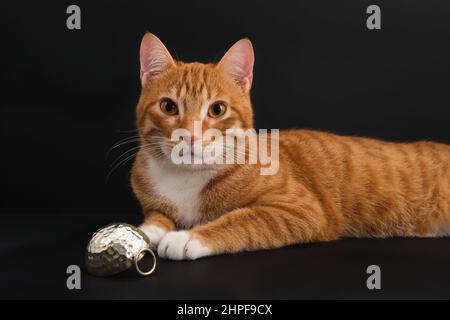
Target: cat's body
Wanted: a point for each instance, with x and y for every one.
(327, 186)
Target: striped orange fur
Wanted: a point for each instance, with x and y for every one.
(327, 187)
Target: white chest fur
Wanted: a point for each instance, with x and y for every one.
(180, 186)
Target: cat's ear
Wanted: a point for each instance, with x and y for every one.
(238, 63)
(154, 57)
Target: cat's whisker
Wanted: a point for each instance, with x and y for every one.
(127, 138)
(127, 131)
(130, 150)
(160, 142)
(237, 151)
(119, 164)
(123, 142)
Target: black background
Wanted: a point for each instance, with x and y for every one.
(69, 95)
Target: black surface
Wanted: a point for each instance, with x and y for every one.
(35, 255)
(67, 96)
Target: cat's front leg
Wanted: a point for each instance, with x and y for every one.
(156, 225)
(182, 245)
(247, 229)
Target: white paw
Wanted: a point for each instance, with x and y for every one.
(195, 249)
(178, 245)
(154, 233)
(173, 244)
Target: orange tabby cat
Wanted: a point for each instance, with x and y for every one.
(327, 186)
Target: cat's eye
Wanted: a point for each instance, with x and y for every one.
(169, 107)
(217, 110)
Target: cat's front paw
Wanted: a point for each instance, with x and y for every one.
(179, 245)
(154, 234)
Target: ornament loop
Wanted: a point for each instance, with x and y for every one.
(139, 256)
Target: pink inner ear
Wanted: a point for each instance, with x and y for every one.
(154, 57)
(238, 63)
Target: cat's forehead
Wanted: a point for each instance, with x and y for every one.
(196, 81)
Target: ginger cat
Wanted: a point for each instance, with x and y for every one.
(327, 186)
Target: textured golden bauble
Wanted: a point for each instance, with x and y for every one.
(116, 248)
